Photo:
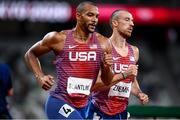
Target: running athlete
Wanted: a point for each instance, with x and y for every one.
(111, 102)
(80, 54)
(6, 89)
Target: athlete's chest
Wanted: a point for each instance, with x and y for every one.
(82, 52)
(121, 64)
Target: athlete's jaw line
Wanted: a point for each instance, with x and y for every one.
(92, 27)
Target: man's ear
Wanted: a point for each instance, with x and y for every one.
(78, 15)
(114, 23)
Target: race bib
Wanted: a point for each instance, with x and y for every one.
(66, 110)
(120, 89)
(79, 85)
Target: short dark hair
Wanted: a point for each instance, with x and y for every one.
(115, 15)
(80, 7)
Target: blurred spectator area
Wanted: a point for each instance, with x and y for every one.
(158, 41)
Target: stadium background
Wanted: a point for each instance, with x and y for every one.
(156, 33)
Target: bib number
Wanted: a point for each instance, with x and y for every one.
(66, 110)
(79, 85)
(120, 89)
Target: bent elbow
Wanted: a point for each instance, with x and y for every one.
(106, 81)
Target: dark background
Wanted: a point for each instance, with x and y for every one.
(159, 63)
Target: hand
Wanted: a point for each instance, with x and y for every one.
(46, 81)
(143, 98)
(131, 71)
(108, 61)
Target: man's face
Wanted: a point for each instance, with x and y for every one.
(125, 24)
(88, 19)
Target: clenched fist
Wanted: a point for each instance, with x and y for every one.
(108, 61)
(131, 71)
(46, 81)
(143, 98)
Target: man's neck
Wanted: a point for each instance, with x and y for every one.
(80, 35)
(118, 40)
(119, 43)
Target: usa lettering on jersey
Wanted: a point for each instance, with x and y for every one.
(118, 68)
(82, 56)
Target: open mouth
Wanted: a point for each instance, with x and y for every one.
(130, 30)
(92, 26)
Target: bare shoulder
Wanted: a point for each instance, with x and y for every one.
(51, 41)
(54, 37)
(105, 45)
(54, 40)
(136, 52)
(135, 49)
(100, 37)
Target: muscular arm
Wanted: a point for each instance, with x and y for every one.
(47, 44)
(135, 85)
(136, 90)
(106, 73)
(100, 85)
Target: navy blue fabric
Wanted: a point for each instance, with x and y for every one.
(95, 113)
(53, 105)
(5, 86)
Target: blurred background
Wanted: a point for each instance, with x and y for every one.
(156, 34)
